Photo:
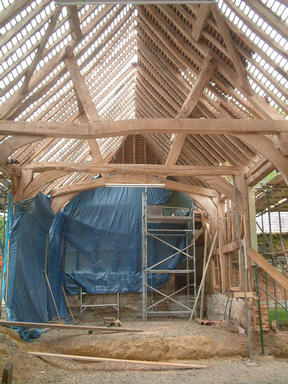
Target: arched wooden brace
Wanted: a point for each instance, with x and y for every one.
(261, 144)
(41, 181)
(10, 145)
(205, 202)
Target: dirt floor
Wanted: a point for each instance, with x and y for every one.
(222, 350)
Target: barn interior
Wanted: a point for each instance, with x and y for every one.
(143, 179)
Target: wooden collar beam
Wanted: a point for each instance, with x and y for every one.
(143, 126)
(140, 169)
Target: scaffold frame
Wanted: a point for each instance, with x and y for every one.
(188, 251)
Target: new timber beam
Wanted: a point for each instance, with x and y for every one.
(143, 126)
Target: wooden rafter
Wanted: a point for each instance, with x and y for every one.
(40, 50)
(74, 21)
(198, 25)
(231, 48)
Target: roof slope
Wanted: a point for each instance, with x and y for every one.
(120, 62)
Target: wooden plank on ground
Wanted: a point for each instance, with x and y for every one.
(88, 358)
(267, 267)
(64, 326)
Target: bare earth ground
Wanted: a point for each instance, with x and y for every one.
(222, 350)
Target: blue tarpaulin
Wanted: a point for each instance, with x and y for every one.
(28, 296)
(103, 233)
(96, 243)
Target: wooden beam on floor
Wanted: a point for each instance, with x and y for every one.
(104, 128)
(157, 364)
(65, 326)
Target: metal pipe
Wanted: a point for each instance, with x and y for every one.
(170, 245)
(243, 270)
(271, 250)
(259, 309)
(204, 264)
(168, 297)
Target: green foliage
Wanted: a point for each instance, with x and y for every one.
(282, 315)
(266, 179)
(276, 241)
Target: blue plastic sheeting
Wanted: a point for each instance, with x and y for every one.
(28, 296)
(103, 241)
(4, 263)
(97, 241)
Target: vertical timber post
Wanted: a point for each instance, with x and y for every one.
(243, 270)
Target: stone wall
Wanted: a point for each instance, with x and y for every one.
(216, 304)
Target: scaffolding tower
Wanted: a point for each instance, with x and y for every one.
(186, 230)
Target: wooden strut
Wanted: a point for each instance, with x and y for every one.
(204, 265)
(65, 326)
(203, 276)
(143, 362)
